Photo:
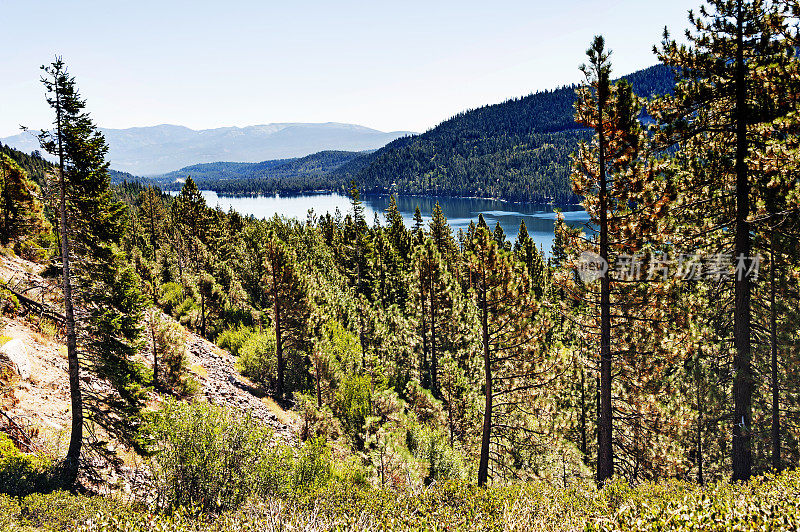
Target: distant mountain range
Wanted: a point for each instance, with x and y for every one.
(147, 151)
(517, 150)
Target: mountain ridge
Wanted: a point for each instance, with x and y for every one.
(518, 150)
(155, 150)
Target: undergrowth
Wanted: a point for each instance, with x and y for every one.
(337, 502)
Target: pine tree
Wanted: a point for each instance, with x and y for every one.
(509, 343)
(418, 231)
(500, 237)
(434, 301)
(398, 234)
(720, 102)
(526, 252)
(286, 292)
(153, 216)
(102, 315)
(625, 195)
(441, 233)
(191, 218)
(596, 106)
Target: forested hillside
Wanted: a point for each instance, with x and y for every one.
(33, 164)
(267, 177)
(645, 377)
(517, 150)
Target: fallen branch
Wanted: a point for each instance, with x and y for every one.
(42, 308)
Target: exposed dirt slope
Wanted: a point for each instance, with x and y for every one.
(41, 402)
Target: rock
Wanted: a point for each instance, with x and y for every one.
(16, 352)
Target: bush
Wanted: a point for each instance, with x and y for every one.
(345, 503)
(257, 360)
(213, 459)
(431, 446)
(352, 405)
(9, 513)
(61, 510)
(168, 346)
(9, 302)
(427, 408)
(206, 456)
(187, 312)
(20, 473)
(315, 421)
(171, 296)
(234, 338)
(312, 468)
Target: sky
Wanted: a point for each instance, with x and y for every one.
(392, 66)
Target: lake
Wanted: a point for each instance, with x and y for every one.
(539, 219)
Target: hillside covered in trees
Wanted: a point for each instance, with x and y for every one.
(516, 150)
(267, 177)
(645, 377)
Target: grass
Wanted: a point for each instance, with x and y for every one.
(48, 328)
(765, 503)
(287, 418)
(199, 370)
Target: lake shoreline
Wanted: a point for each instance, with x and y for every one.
(539, 218)
(553, 205)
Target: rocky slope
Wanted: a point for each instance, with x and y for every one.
(39, 399)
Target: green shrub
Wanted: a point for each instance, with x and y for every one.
(431, 446)
(33, 250)
(9, 513)
(345, 503)
(315, 421)
(9, 302)
(168, 346)
(257, 360)
(234, 338)
(312, 467)
(185, 312)
(20, 473)
(427, 408)
(171, 296)
(206, 456)
(61, 510)
(352, 405)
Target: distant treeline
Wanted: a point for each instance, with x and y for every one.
(517, 150)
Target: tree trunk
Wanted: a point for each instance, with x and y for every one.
(424, 376)
(278, 345)
(319, 388)
(434, 362)
(605, 455)
(773, 341)
(6, 210)
(583, 413)
(76, 435)
(483, 467)
(153, 240)
(202, 312)
(699, 428)
(742, 379)
(156, 385)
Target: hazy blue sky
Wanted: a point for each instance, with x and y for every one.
(388, 65)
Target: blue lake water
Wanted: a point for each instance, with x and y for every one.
(539, 219)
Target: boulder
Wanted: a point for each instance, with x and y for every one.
(16, 352)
